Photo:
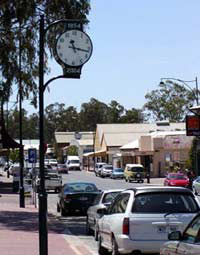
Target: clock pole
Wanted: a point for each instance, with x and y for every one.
(68, 72)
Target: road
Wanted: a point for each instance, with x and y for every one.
(75, 226)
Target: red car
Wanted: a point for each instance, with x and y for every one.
(176, 179)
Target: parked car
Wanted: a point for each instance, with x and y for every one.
(103, 199)
(139, 219)
(76, 197)
(53, 181)
(62, 168)
(196, 186)
(98, 167)
(176, 179)
(134, 172)
(187, 242)
(117, 173)
(106, 170)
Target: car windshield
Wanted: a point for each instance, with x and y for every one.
(80, 187)
(62, 166)
(118, 170)
(177, 177)
(108, 167)
(74, 161)
(164, 203)
(137, 169)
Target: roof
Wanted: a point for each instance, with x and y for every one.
(67, 137)
(120, 139)
(132, 145)
(142, 189)
(121, 134)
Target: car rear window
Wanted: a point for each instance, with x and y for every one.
(164, 203)
(137, 169)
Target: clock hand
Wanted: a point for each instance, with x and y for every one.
(82, 50)
(73, 47)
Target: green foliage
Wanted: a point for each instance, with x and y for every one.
(61, 119)
(72, 150)
(170, 101)
(14, 155)
(19, 29)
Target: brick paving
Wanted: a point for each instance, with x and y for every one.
(19, 227)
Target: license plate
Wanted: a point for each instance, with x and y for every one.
(83, 198)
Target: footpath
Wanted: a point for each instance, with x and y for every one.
(19, 227)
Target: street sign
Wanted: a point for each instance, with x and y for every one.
(32, 155)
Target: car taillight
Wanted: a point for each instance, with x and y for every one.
(125, 226)
(67, 199)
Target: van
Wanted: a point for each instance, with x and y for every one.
(73, 163)
(134, 172)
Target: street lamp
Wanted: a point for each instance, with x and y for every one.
(185, 83)
(193, 109)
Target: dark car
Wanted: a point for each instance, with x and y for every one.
(62, 168)
(76, 197)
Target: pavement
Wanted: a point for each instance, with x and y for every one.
(19, 227)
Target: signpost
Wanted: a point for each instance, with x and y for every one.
(32, 155)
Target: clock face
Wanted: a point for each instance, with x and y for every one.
(74, 47)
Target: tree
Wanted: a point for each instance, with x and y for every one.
(115, 112)
(92, 113)
(133, 116)
(19, 29)
(170, 101)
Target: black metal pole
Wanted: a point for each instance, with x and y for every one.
(197, 91)
(21, 152)
(43, 230)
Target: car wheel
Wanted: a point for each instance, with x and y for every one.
(88, 229)
(195, 192)
(96, 233)
(63, 212)
(114, 247)
(101, 249)
(58, 208)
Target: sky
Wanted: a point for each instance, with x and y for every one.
(135, 44)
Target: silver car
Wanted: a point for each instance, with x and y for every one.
(187, 242)
(102, 200)
(106, 171)
(196, 186)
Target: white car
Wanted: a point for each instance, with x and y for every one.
(106, 171)
(98, 167)
(196, 186)
(139, 219)
(103, 199)
(184, 243)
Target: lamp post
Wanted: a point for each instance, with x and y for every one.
(79, 50)
(194, 109)
(21, 152)
(185, 83)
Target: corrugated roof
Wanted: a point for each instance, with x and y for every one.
(132, 145)
(122, 133)
(120, 139)
(67, 137)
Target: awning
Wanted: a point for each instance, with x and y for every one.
(96, 153)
